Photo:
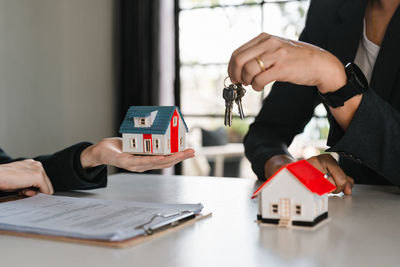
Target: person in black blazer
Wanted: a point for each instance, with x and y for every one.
(81, 166)
(365, 130)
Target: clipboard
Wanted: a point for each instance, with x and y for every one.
(152, 233)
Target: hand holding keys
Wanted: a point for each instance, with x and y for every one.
(233, 93)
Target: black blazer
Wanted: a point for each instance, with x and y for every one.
(65, 171)
(369, 150)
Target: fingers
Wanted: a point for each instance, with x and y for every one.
(265, 48)
(232, 62)
(327, 164)
(143, 163)
(251, 69)
(272, 74)
(28, 176)
(28, 192)
(42, 181)
(343, 182)
(177, 157)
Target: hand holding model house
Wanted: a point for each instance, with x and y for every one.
(153, 137)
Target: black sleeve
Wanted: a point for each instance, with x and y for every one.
(284, 114)
(372, 137)
(65, 171)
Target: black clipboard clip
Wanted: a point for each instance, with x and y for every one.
(175, 219)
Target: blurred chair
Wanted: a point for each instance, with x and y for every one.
(224, 158)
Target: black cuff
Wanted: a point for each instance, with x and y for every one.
(258, 161)
(87, 174)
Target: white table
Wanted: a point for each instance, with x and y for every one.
(363, 230)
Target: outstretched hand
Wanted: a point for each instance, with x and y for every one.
(109, 151)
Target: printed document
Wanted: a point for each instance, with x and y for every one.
(87, 218)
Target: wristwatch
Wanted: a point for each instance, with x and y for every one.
(356, 85)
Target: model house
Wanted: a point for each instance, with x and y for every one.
(297, 194)
(153, 130)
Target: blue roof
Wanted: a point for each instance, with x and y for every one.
(160, 124)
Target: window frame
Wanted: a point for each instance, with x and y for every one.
(298, 209)
(179, 64)
(274, 208)
(133, 143)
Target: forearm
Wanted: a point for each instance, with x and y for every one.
(344, 115)
(259, 152)
(330, 83)
(371, 138)
(66, 172)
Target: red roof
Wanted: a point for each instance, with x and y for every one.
(308, 175)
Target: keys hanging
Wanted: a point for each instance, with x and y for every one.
(229, 94)
(233, 93)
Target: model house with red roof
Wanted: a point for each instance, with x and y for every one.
(153, 130)
(297, 194)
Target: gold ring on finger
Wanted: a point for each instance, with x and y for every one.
(260, 63)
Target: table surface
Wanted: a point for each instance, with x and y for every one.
(362, 230)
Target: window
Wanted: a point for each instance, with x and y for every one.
(209, 31)
(181, 141)
(274, 208)
(142, 121)
(133, 142)
(157, 144)
(147, 145)
(175, 121)
(298, 209)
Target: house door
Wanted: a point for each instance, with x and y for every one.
(175, 132)
(147, 146)
(285, 208)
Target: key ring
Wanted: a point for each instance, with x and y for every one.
(225, 80)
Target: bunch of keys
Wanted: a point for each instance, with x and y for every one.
(233, 93)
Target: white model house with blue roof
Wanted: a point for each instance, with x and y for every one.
(153, 130)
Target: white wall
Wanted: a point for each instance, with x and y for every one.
(56, 73)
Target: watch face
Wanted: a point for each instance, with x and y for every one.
(356, 76)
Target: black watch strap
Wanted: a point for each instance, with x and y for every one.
(337, 98)
(356, 84)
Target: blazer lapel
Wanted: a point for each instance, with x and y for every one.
(387, 65)
(343, 41)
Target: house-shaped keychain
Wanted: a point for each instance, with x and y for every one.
(297, 194)
(153, 130)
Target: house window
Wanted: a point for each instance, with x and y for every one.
(175, 121)
(133, 142)
(274, 208)
(142, 121)
(181, 141)
(298, 209)
(147, 145)
(157, 143)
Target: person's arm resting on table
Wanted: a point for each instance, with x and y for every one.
(81, 166)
